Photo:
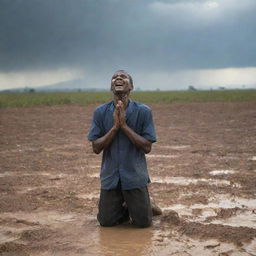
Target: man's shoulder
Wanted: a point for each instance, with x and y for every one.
(104, 107)
(141, 106)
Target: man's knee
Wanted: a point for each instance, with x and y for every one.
(106, 222)
(143, 222)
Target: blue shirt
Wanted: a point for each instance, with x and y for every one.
(122, 160)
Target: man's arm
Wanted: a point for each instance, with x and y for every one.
(136, 139)
(103, 142)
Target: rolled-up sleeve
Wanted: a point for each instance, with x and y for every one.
(96, 127)
(148, 131)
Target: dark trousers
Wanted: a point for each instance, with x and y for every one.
(112, 210)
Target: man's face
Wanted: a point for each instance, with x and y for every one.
(120, 83)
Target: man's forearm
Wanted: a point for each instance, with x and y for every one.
(103, 142)
(136, 139)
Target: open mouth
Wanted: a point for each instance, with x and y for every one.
(119, 87)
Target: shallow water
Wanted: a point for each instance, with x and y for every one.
(161, 156)
(6, 174)
(7, 236)
(89, 196)
(20, 174)
(184, 181)
(179, 147)
(243, 217)
(93, 175)
(34, 188)
(251, 247)
(84, 234)
(220, 172)
(86, 237)
(96, 166)
(41, 217)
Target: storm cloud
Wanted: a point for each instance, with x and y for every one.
(138, 35)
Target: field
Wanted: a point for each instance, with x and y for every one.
(203, 167)
(86, 98)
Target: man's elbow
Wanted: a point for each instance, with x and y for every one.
(95, 149)
(147, 149)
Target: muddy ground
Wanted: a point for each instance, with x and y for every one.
(203, 167)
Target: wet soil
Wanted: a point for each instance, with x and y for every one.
(203, 167)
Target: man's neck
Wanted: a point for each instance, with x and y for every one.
(123, 97)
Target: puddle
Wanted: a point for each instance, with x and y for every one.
(226, 201)
(7, 236)
(43, 218)
(161, 156)
(29, 189)
(89, 196)
(51, 175)
(11, 233)
(93, 175)
(149, 242)
(82, 235)
(200, 212)
(220, 201)
(251, 247)
(183, 181)
(246, 219)
(220, 172)
(189, 247)
(6, 174)
(174, 147)
(95, 166)
(33, 220)
(125, 240)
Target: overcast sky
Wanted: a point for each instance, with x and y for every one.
(166, 44)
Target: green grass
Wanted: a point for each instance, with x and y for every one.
(195, 96)
(85, 98)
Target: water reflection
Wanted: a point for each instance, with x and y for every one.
(243, 214)
(185, 181)
(221, 172)
(125, 240)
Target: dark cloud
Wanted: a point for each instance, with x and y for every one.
(45, 34)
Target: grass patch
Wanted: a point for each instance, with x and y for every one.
(195, 96)
(85, 98)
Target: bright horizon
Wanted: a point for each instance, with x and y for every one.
(201, 79)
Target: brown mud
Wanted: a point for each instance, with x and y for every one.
(203, 167)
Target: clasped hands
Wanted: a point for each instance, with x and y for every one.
(119, 115)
